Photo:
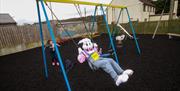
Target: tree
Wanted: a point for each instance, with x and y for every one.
(159, 4)
(178, 12)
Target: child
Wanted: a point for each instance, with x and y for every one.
(53, 52)
(89, 52)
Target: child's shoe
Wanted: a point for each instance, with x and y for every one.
(57, 63)
(53, 63)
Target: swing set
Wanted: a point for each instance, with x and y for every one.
(50, 29)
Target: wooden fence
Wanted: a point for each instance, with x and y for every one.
(149, 27)
(19, 38)
(14, 35)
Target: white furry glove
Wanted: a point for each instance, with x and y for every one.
(95, 45)
(80, 50)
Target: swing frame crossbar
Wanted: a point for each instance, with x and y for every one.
(50, 29)
(85, 3)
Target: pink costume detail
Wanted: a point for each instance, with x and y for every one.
(84, 55)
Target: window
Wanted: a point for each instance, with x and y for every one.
(144, 8)
(148, 8)
(145, 19)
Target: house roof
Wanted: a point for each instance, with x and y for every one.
(147, 2)
(6, 19)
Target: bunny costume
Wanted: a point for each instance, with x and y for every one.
(89, 52)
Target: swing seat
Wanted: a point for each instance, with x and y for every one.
(69, 65)
(173, 34)
(105, 55)
(119, 46)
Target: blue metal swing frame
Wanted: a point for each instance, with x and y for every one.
(50, 29)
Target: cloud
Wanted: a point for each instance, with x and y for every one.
(24, 21)
(25, 10)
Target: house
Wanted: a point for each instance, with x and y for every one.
(6, 19)
(139, 10)
(165, 16)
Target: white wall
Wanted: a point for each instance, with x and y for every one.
(175, 7)
(135, 8)
(156, 18)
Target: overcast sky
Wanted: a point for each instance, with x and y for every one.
(25, 10)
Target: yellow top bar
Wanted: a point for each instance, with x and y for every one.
(85, 3)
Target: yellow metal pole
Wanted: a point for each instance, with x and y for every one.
(85, 3)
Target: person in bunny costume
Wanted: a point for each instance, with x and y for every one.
(90, 53)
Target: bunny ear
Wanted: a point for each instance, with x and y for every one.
(81, 41)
